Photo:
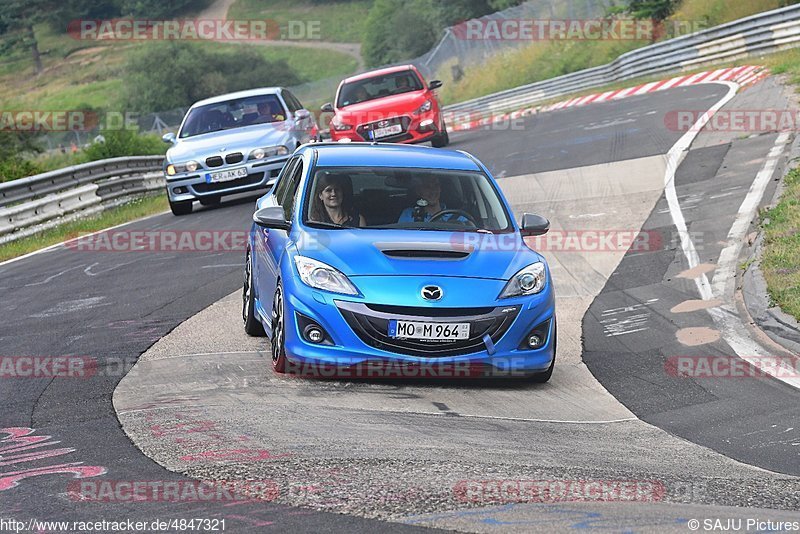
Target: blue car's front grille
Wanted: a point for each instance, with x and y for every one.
(371, 325)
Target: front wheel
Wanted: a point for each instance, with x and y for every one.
(442, 139)
(278, 332)
(183, 207)
(252, 326)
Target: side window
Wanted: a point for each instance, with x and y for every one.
(291, 193)
(291, 101)
(284, 178)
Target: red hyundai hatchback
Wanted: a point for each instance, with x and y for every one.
(392, 105)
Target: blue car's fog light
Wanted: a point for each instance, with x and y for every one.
(313, 332)
(536, 338)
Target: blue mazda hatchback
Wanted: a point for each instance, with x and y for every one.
(370, 260)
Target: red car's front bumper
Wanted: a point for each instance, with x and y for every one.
(415, 129)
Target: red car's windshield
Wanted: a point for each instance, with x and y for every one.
(378, 87)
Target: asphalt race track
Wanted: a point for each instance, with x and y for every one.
(348, 455)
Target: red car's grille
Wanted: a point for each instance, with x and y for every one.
(364, 129)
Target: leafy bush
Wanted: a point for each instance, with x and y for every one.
(124, 142)
(16, 167)
(154, 9)
(175, 74)
(399, 31)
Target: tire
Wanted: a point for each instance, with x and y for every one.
(211, 201)
(184, 207)
(441, 139)
(252, 325)
(278, 332)
(541, 378)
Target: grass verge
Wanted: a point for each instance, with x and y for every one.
(339, 21)
(128, 212)
(780, 261)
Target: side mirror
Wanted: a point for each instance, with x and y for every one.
(271, 217)
(534, 224)
(435, 84)
(169, 137)
(326, 107)
(301, 114)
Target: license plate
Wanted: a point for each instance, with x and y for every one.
(428, 331)
(385, 132)
(226, 176)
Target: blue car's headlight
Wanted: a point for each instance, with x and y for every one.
(527, 281)
(320, 275)
(268, 152)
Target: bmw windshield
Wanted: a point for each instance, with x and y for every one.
(404, 198)
(260, 109)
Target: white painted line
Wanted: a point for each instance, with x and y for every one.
(51, 247)
(725, 317)
(726, 270)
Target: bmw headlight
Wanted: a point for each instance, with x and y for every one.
(177, 168)
(424, 107)
(527, 281)
(320, 275)
(268, 152)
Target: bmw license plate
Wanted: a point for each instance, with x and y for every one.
(386, 132)
(226, 176)
(428, 331)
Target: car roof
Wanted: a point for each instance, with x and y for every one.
(239, 94)
(391, 155)
(378, 72)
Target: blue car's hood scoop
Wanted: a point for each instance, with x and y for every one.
(425, 250)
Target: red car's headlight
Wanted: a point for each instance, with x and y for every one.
(339, 126)
(424, 107)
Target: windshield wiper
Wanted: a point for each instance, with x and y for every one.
(323, 224)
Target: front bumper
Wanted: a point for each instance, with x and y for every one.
(357, 343)
(415, 129)
(195, 185)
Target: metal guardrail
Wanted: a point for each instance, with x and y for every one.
(764, 32)
(35, 203)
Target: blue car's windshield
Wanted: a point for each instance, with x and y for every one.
(259, 109)
(409, 198)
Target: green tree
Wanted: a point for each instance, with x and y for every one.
(398, 31)
(164, 76)
(155, 9)
(657, 10)
(17, 20)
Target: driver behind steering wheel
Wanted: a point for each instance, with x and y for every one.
(428, 204)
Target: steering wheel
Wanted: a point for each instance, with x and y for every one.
(440, 214)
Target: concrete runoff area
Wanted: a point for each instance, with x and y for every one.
(393, 450)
